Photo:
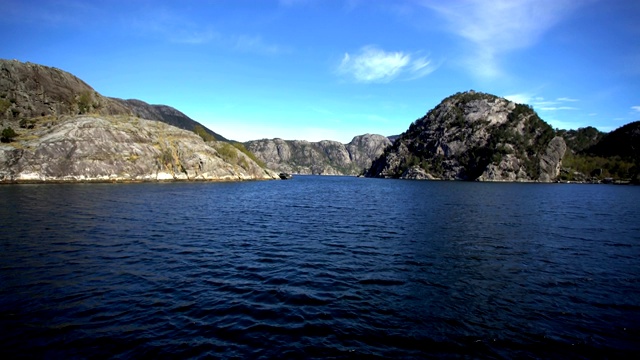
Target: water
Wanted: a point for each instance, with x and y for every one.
(320, 267)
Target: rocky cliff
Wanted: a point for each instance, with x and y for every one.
(475, 136)
(55, 127)
(320, 158)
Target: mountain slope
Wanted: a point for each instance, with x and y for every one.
(121, 148)
(623, 142)
(475, 136)
(168, 115)
(320, 158)
(30, 90)
(57, 128)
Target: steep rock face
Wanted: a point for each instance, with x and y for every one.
(475, 136)
(121, 148)
(29, 90)
(320, 158)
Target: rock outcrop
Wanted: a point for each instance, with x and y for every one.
(121, 148)
(320, 158)
(55, 127)
(475, 136)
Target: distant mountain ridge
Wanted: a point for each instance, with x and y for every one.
(320, 158)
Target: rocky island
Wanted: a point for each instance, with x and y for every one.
(475, 136)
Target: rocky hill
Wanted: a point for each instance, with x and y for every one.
(623, 142)
(168, 115)
(30, 90)
(475, 136)
(55, 127)
(612, 157)
(581, 139)
(320, 158)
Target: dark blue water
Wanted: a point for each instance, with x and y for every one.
(320, 267)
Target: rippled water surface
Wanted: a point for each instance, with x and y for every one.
(319, 267)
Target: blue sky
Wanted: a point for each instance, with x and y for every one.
(334, 69)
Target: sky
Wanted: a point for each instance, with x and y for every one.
(334, 69)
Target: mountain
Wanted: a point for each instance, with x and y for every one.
(581, 139)
(623, 142)
(475, 136)
(170, 116)
(55, 127)
(30, 90)
(602, 157)
(320, 158)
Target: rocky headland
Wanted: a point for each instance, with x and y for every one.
(475, 136)
(320, 158)
(55, 127)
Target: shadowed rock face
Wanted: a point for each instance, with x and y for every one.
(121, 148)
(475, 136)
(320, 158)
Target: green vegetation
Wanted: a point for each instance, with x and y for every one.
(581, 139)
(8, 134)
(202, 132)
(85, 102)
(249, 154)
(596, 156)
(227, 152)
(4, 105)
(581, 167)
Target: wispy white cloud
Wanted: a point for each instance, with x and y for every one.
(499, 26)
(541, 104)
(372, 64)
(636, 108)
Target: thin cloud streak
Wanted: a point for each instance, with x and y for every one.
(540, 104)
